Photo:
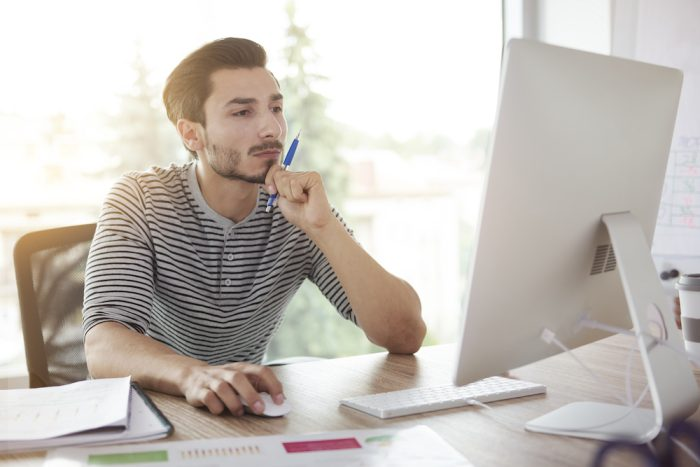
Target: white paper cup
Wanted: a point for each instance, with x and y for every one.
(689, 293)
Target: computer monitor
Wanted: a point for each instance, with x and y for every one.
(576, 169)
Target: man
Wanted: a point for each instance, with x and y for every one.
(188, 276)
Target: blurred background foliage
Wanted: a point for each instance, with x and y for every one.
(106, 117)
(311, 325)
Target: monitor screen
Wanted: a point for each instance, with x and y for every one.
(577, 136)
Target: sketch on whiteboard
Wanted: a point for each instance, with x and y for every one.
(680, 204)
(666, 33)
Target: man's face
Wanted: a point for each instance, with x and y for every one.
(245, 128)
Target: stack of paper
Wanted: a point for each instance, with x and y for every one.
(101, 411)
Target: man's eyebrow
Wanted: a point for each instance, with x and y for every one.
(252, 100)
(241, 100)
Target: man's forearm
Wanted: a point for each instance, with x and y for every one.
(113, 350)
(387, 308)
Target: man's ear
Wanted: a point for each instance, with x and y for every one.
(192, 134)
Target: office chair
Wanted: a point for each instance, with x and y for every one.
(50, 272)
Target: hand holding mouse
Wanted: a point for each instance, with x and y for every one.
(271, 408)
(224, 387)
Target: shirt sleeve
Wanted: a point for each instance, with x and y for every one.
(119, 274)
(324, 277)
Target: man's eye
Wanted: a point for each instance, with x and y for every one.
(241, 113)
(277, 109)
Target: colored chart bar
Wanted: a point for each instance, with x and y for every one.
(321, 445)
(128, 458)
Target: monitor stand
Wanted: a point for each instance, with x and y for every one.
(672, 385)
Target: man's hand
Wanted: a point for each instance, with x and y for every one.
(112, 350)
(385, 307)
(677, 311)
(301, 197)
(221, 387)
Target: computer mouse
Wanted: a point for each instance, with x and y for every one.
(271, 409)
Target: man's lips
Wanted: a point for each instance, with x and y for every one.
(269, 154)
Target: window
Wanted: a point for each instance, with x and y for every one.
(405, 93)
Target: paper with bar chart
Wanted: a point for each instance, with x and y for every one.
(416, 446)
(40, 413)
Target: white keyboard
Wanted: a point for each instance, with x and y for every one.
(427, 399)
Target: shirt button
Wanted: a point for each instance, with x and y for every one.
(230, 256)
(227, 282)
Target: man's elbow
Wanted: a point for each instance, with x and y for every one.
(92, 347)
(99, 348)
(408, 338)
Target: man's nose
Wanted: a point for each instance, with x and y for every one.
(270, 127)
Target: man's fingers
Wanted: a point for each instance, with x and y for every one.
(295, 186)
(225, 392)
(287, 185)
(205, 397)
(297, 191)
(264, 379)
(270, 178)
(226, 387)
(240, 382)
(212, 402)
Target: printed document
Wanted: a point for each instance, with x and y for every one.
(40, 413)
(410, 447)
(146, 422)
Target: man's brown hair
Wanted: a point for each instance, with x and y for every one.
(189, 84)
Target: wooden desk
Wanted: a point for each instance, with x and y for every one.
(485, 437)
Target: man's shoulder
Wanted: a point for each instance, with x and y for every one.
(155, 177)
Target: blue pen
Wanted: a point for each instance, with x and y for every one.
(285, 164)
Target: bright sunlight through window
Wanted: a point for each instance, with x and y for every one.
(400, 96)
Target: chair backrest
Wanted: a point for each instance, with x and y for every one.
(50, 271)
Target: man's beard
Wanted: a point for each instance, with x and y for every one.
(225, 161)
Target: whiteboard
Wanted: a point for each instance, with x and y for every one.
(667, 33)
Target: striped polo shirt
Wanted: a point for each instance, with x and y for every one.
(164, 264)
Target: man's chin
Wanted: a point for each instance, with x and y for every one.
(257, 179)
